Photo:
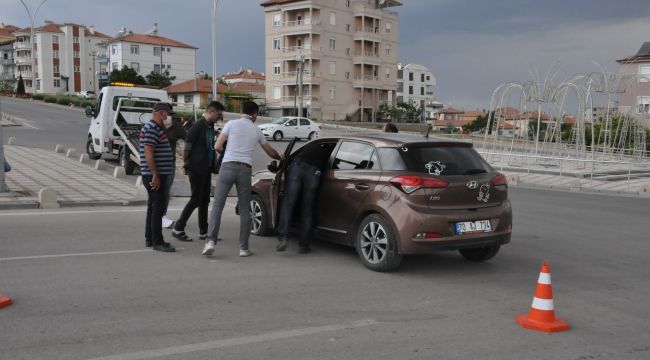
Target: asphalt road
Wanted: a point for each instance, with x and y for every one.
(109, 298)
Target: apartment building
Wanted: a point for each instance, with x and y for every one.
(63, 61)
(146, 53)
(416, 84)
(634, 98)
(349, 52)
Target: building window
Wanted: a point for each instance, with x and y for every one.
(387, 50)
(400, 99)
(332, 67)
(156, 68)
(428, 77)
(400, 74)
(55, 69)
(169, 67)
(410, 76)
(57, 83)
(332, 93)
(400, 87)
(135, 66)
(347, 75)
(113, 49)
(277, 20)
(388, 27)
(276, 69)
(55, 54)
(75, 54)
(332, 44)
(114, 66)
(169, 49)
(348, 27)
(188, 98)
(410, 90)
(75, 40)
(77, 69)
(421, 77)
(347, 3)
(332, 18)
(644, 73)
(277, 92)
(175, 98)
(157, 51)
(644, 104)
(347, 51)
(422, 91)
(135, 49)
(387, 73)
(55, 39)
(276, 44)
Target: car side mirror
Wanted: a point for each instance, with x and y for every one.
(273, 167)
(90, 112)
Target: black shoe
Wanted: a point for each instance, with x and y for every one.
(181, 235)
(164, 247)
(282, 246)
(304, 249)
(148, 243)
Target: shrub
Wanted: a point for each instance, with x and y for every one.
(49, 99)
(63, 100)
(38, 96)
(76, 101)
(86, 103)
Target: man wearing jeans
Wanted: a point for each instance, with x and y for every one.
(156, 167)
(236, 169)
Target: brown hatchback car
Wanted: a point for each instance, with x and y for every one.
(390, 195)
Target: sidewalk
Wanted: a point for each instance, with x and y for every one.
(76, 184)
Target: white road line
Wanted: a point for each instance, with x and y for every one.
(80, 212)
(25, 123)
(220, 344)
(74, 254)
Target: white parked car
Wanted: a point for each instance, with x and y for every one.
(290, 127)
(86, 94)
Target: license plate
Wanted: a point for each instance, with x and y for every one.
(473, 227)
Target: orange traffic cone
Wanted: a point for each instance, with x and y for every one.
(542, 315)
(4, 301)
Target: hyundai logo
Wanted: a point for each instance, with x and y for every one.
(472, 185)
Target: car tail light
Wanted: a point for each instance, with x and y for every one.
(500, 179)
(505, 228)
(409, 184)
(428, 235)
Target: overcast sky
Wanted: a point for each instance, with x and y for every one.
(472, 46)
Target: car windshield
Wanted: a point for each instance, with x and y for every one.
(279, 121)
(434, 160)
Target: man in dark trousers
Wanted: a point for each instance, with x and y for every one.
(156, 166)
(198, 159)
(303, 179)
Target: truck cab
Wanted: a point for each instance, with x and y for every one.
(120, 110)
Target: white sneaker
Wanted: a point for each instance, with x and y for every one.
(245, 253)
(209, 248)
(167, 223)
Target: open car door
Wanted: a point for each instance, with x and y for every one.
(277, 185)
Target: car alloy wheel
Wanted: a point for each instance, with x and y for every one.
(376, 244)
(277, 136)
(259, 224)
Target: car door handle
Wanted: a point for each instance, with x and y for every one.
(361, 187)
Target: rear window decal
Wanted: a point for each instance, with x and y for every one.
(405, 149)
(484, 193)
(435, 167)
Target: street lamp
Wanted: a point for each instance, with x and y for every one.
(3, 185)
(31, 35)
(214, 49)
(94, 54)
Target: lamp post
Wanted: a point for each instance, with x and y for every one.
(94, 54)
(3, 185)
(31, 36)
(214, 49)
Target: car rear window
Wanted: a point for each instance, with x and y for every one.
(434, 160)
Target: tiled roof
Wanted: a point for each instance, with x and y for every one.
(248, 87)
(96, 34)
(152, 40)
(451, 110)
(245, 74)
(50, 28)
(532, 115)
(278, 2)
(194, 86)
(455, 123)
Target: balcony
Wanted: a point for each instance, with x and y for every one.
(7, 61)
(366, 57)
(19, 45)
(7, 76)
(289, 78)
(307, 51)
(299, 27)
(368, 34)
(366, 81)
(288, 101)
(25, 74)
(23, 60)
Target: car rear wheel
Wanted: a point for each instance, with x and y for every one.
(480, 254)
(259, 217)
(278, 136)
(90, 150)
(125, 161)
(376, 244)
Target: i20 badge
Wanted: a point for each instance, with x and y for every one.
(472, 185)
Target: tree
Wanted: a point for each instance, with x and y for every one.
(477, 124)
(160, 80)
(127, 75)
(20, 89)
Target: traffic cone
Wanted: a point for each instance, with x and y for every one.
(542, 315)
(4, 301)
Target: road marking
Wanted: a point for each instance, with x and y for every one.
(79, 212)
(74, 254)
(220, 344)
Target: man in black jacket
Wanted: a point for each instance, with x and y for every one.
(198, 158)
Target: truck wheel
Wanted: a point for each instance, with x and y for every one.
(480, 254)
(376, 244)
(278, 136)
(125, 162)
(90, 150)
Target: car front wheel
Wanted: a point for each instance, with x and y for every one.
(311, 135)
(480, 254)
(278, 136)
(259, 217)
(376, 244)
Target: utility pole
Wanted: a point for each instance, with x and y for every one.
(3, 185)
(214, 49)
(301, 67)
(94, 53)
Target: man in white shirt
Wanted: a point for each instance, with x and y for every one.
(236, 169)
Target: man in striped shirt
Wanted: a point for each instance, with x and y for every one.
(156, 167)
